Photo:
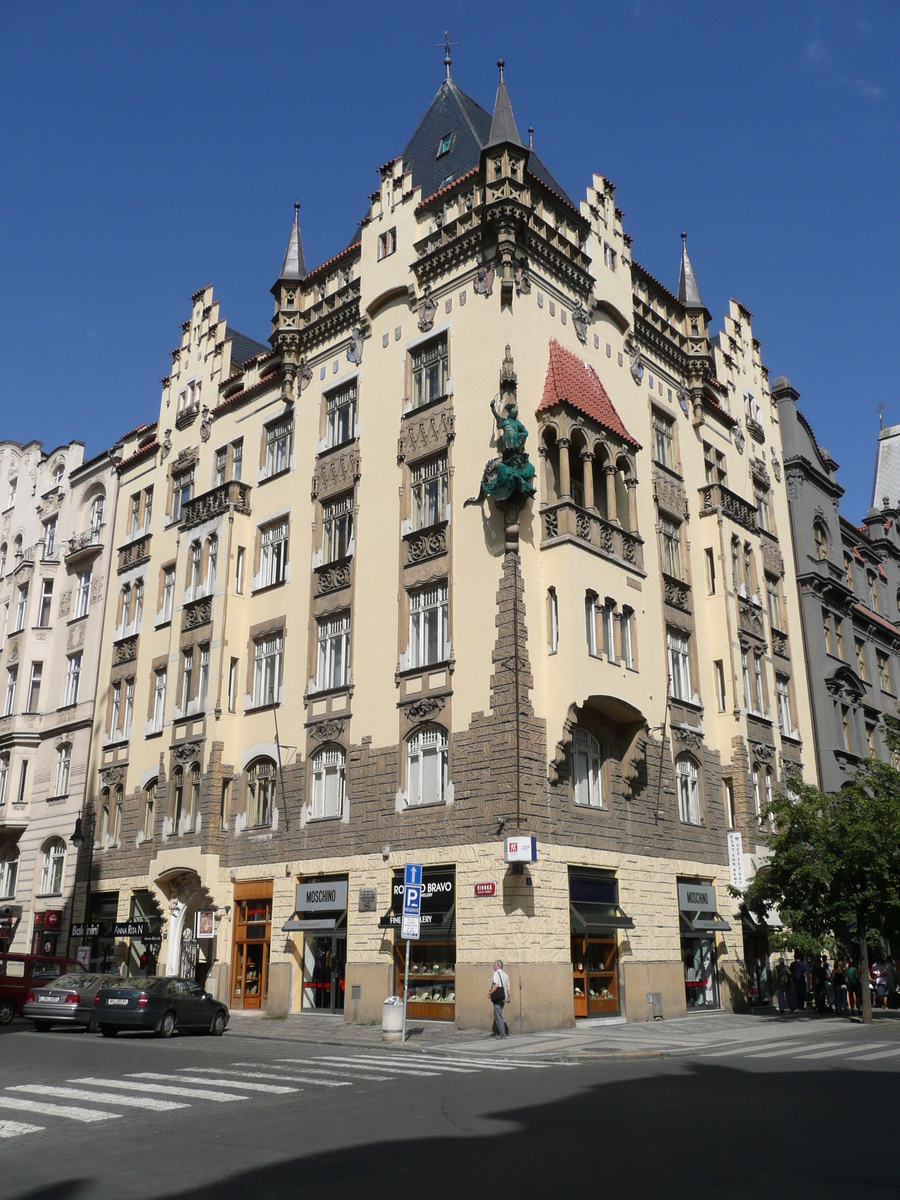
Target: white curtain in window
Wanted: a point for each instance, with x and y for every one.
(329, 776)
(688, 787)
(588, 765)
(427, 766)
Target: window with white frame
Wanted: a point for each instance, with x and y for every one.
(670, 547)
(4, 550)
(429, 492)
(212, 563)
(273, 553)
(590, 622)
(43, 617)
(134, 519)
(429, 630)
(608, 618)
(159, 700)
(337, 528)
(687, 783)
(719, 671)
(751, 408)
(783, 692)
(149, 808)
(553, 617)
(232, 685)
(12, 674)
(328, 782)
(427, 766)
(128, 712)
(182, 491)
(663, 440)
(97, 507)
(267, 669)
(757, 794)
(59, 472)
(203, 682)
(193, 811)
(387, 243)
(73, 678)
(34, 687)
(759, 683)
(115, 709)
(64, 765)
(168, 593)
(49, 537)
(4, 777)
(220, 465)
(9, 872)
(13, 488)
(83, 593)
(587, 769)
(187, 678)
(340, 416)
(237, 459)
(429, 372)
(137, 601)
(333, 657)
(678, 648)
(148, 507)
(21, 607)
(261, 777)
(53, 868)
(195, 560)
(763, 515)
(279, 444)
(774, 601)
(116, 825)
(627, 626)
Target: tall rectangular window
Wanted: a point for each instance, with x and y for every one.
(138, 602)
(553, 615)
(884, 672)
(429, 625)
(273, 554)
(719, 668)
(148, 508)
(267, 669)
(134, 515)
(679, 665)
(728, 789)
(129, 708)
(168, 593)
(187, 678)
(49, 537)
(627, 625)
(194, 562)
(159, 700)
(783, 692)
(763, 516)
(63, 766)
(387, 243)
(590, 622)
(34, 687)
(710, 572)
(429, 372)
(279, 443)
(46, 603)
(115, 709)
(872, 580)
(337, 528)
(83, 593)
(239, 571)
(609, 630)
(829, 636)
(182, 491)
(759, 682)
(340, 416)
(12, 674)
(670, 547)
(237, 459)
(220, 466)
(845, 727)
(73, 678)
(203, 683)
(663, 440)
(333, 658)
(861, 668)
(232, 685)
(430, 490)
(745, 673)
(21, 607)
(774, 601)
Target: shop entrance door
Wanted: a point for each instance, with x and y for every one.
(250, 961)
(324, 963)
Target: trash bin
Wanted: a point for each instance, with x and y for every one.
(392, 1019)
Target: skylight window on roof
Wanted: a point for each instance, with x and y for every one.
(447, 179)
(444, 145)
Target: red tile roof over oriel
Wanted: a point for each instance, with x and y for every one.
(571, 381)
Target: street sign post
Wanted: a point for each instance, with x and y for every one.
(410, 923)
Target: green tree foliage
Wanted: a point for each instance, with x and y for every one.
(835, 860)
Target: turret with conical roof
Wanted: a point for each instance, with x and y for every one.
(697, 319)
(688, 292)
(294, 267)
(503, 123)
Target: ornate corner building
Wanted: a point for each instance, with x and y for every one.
(357, 645)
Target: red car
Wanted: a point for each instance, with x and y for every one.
(22, 973)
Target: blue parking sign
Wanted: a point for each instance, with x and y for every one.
(412, 899)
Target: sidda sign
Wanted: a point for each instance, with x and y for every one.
(696, 897)
(321, 895)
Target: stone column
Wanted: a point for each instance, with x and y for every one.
(588, 473)
(565, 484)
(610, 473)
(631, 484)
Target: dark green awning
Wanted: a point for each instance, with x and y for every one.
(598, 918)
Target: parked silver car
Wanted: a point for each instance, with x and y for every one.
(68, 1000)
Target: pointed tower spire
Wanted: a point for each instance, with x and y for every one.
(293, 266)
(503, 124)
(688, 292)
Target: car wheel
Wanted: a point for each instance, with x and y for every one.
(42, 1026)
(218, 1026)
(167, 1025)
(91, 1026)
(7, 1011)
(108, 1030)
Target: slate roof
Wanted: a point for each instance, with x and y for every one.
(244, 348)
(688, 292)
(294, 266)
(571, 381)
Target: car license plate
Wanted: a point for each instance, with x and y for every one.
(48, 999)
(117, 1002)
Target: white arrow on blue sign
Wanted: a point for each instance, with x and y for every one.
(412, 875)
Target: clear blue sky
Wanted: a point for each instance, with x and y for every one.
(149, 149)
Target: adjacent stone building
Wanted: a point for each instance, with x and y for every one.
(350, 655)
(55, 544)
(849, 584)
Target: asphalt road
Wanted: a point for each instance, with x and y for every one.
(814, 1116)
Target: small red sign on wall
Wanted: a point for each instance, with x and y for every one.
(486, 889)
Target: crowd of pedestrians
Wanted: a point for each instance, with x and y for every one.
(833, 986)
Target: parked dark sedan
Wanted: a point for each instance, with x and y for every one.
(162, 1003)
(68, 1000)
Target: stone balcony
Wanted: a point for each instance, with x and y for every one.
(83, 546)
(716, 497)
(566, 521)
(232, 495)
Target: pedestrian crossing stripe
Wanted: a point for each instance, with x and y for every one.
(392, 1070)
(310, 1070)
(87, 1115)
(11, 1129)
(268, 1075)
(878, 1054)
(429, 1064)
(69, 1093)
(233, 1083)
(162, 1089)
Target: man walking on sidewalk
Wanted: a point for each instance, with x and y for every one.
(499, 995)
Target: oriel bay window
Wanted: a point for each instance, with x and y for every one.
(333, 655)
(279, 445)
(427, 766)
(429, 625)
(273, 554)
(267, 669)
(337, 528)
(260, 792)
(328, 782)
(430, 492)
(340, 416)
(429, 372)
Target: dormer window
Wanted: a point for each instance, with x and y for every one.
(444, 145)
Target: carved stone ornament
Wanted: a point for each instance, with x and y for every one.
(484, 280)
(739, 440)
(199, 613)
(427, 309)
(749, 619)
(522, 277)
(184, 459)
(65, 603)
(429, 545)
(97, 588)
(677, 594)
(205, 423)
(336, 472)
(434, 429)
(762, 752)
(327, 731)
(772, 559)
(634, 353)
(687, 739)
(14, 650)
(424, 709)
(166, 449)
(333, 578)
(355, 349)
(304, 370)
(112, 777)
(776, 468)
(634, 759)
(580, 321)
(187, 752)
(125, 651)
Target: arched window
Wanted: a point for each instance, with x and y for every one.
(427, 766)
(821, 540)
(97, 507)
(687, 785)
(194, 811)
(177, 797)
(104, 816)
(9, 872)
(328, 782)
(63, 764)
(149, 808)
(587, 769)
(116, 816)
(54, 867)
(260, 792)
(4, 777)
(58, 473)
